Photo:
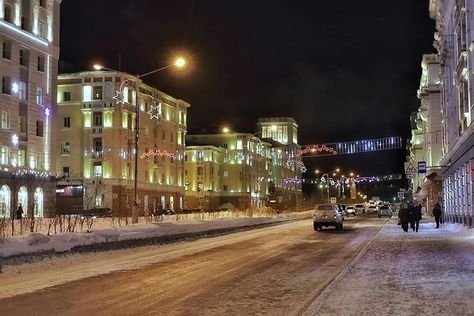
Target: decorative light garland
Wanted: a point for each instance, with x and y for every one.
(157, 153)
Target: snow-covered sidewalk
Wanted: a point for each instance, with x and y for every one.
(426, 273)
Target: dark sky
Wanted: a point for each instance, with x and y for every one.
(345, 70)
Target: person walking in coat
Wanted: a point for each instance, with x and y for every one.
(411, 216)
(416, 217)
(19, 212)
(437, 213)
(403, 216)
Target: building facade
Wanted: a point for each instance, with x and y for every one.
(454, 40)
(96, 148)
(426, 141)
(29, 32)
(243, 169)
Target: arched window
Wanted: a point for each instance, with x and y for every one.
(38, 211)
(5, 198)
(23, 199)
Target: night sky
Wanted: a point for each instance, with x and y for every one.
(345, 70)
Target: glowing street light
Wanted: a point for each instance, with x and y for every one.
(225, 130)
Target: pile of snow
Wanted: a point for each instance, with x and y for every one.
(36, 242)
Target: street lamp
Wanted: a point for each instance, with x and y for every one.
(326, 174)
(179, 63)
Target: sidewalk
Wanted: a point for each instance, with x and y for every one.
(426, 273)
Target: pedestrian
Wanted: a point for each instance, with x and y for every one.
(437, 213)
(411, 216)
(417, 217)
(403, 216)
(19, 212)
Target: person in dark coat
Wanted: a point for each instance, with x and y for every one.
(19, 212)
(411, 216)
(437, 213)
(416, 217)
(403, 216)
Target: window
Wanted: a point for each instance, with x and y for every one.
(97, 118)
(22, 124)
(41, 63)
(7, 50)
(200, 186)
(66, 171)
(42, 3)
(200, 171)
(226, 174)
(42, 29)
(4, 154)
(6, 85)
(147, 176)
(21, 158)
(98, 170)
(39, 95)
(23, 23)
(65, 148)
(21, 90)
(97, 93)
(39, 160)
(23, 57)
(66, 96)
(87, 93)
(5, 120)
(239, 144)
(200, 155)
(97, 144)
(67, 122)
(171, 137)
(39, 128)
(7, 13)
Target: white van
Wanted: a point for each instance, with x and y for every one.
(327, 215)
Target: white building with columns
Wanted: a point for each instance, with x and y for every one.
(29, 33)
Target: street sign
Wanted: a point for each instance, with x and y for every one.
(333, 200)
(401, 195)
(421, 166)
(409, 170)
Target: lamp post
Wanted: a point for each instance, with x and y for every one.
(179, 63)
(326, 174)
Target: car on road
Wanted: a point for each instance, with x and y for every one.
(384, 210)
(327, 215)
(372, 209)
(359, 208)
(350, 210)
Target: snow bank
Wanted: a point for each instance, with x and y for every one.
(36, 243)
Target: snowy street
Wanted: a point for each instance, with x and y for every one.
(426, 273)
(370, 268)
(277, 270)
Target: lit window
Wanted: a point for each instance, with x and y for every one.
(226, 174)
(97, 93)
(98, 170)
(239, 144)
(87, 93)
(5, 120)
(65, 148)
(39, 95)
(4, 155)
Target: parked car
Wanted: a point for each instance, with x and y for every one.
(327, 215)
(350, 210)
(359, 208)
(384, 210)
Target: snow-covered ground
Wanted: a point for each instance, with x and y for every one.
(38, 242)
(426, 273)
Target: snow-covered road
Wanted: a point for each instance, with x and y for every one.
(276, 270)
(426, 273)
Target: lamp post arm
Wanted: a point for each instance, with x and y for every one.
(156, 70)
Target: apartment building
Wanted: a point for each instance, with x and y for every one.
(426, 140)
(96, 148)
(29, 33)
(246, 170)
(454, 40)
